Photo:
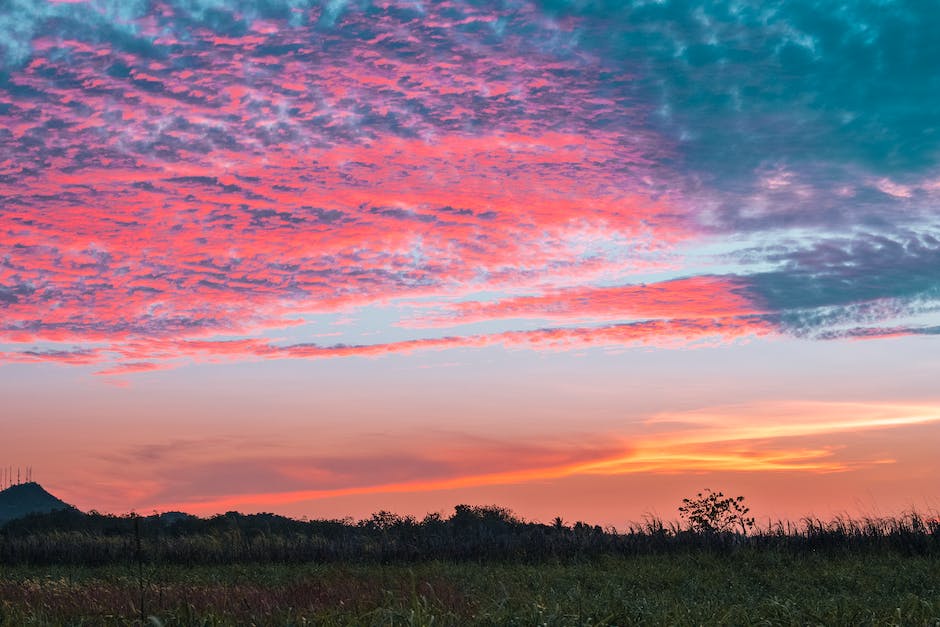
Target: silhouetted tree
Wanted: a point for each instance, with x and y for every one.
(713, 512)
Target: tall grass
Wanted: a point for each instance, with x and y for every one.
(481, 566)
(470, 534)
(747, 587)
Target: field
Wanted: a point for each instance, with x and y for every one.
(701, 587)
(480, 566)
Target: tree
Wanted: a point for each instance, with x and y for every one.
(713, 512)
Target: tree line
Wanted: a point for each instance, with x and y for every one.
(480, 533)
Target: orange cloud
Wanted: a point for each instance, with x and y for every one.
(719, 439)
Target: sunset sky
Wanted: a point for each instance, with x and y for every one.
(572, 257)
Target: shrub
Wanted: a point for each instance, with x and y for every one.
(713, 512)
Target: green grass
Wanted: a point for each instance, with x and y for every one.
(747, 588)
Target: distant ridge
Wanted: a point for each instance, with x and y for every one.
(24, 499)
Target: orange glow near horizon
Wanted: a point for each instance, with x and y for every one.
(720, 442)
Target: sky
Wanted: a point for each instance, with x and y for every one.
(581, 258)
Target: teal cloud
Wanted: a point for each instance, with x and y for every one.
(739, 84)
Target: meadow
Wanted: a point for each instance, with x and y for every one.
(750, 587)
(480, 566)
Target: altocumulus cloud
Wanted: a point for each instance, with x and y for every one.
(178, 174)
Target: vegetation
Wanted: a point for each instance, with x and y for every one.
(472, 533)
(747, 587)
(479, 566)
(712, 513)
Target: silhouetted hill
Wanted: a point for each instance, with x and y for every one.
(27, 498)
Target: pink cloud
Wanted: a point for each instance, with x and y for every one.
(131, 367)
(689, 298)
(229, 197)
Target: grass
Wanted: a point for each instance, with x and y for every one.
(754, 587)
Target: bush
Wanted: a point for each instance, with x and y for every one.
(713, 512)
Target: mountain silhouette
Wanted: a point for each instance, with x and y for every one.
(27, 498)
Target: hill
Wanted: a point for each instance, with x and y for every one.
(27, 498)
